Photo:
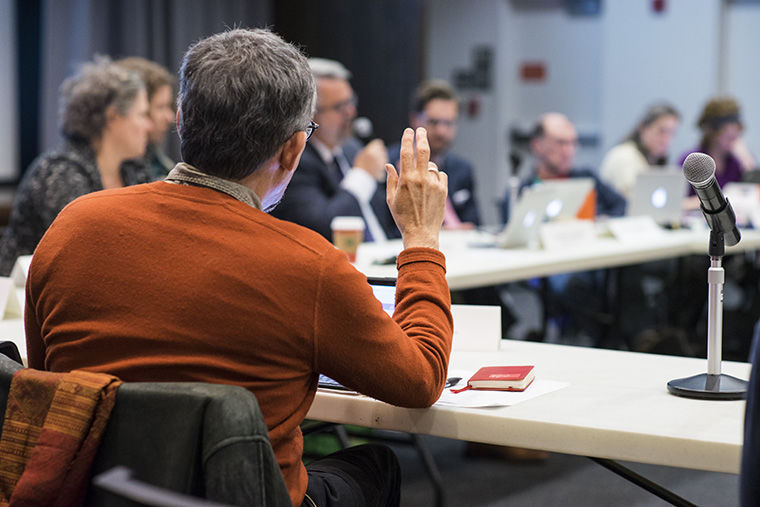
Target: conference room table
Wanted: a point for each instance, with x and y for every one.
(615, 407)
(473, 260)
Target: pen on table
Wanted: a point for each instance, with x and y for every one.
(451, 382)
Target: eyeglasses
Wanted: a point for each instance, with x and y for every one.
(435, 122)
(340, 107)
(311, 128)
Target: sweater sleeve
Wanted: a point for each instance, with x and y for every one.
(403, 360)
(35, 347)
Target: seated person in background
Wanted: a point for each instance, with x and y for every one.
(578, 296)
(745, 155)
(332, 178)
(721, 126)
(553, 144)
(159, 84)
(436, 107)
(646, 146)
(189, 279)
(104, 121)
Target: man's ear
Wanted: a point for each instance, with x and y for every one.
(176, 123)
(290, 153)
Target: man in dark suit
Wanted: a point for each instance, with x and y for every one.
(436, 107)
(336, 175)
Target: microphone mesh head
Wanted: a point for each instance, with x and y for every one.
(698, 168)
(362, 127)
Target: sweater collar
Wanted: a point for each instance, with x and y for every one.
(189, 175)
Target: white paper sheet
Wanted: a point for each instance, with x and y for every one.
(473, 398)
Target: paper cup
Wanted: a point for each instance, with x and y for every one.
(347, 234)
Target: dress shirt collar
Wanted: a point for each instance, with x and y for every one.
(326, 154)
(189, 175)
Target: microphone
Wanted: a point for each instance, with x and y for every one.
(362, 128)
(699, 170)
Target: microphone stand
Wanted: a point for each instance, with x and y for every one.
(712, 385)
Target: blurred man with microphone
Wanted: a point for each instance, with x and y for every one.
(336, 176)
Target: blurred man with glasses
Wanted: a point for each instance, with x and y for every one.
(436, 107)
(336, 177)
(554, 141)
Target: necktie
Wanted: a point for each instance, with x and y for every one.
(340, 164)
(335, 169)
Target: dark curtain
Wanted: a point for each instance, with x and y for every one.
(28, 84)
(74, 31)
(380, 42)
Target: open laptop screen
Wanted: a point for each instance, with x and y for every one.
(658, 193)
(384, 290)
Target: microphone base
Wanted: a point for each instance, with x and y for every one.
(709, 387)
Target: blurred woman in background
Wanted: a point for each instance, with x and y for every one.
(645, 147)
(104, 121)
(721, 126)
(159, 85)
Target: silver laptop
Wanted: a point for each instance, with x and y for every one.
(526, 217)
(569, 196)
(658, 193)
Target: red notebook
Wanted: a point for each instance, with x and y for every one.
(501, 378)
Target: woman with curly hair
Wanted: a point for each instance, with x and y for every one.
(104, 121)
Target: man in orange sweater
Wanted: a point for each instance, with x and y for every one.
(189, 279)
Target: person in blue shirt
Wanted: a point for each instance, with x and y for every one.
(435, 106)
(553, 144)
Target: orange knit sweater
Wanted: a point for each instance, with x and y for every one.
(164, 282)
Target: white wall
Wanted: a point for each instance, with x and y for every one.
(648, 57)
(603, 71)
(456, 28)
(8, 97)
(742, 77)
(517, 32)
(571, 49)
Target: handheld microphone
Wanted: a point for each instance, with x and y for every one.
(362, 128)
(699, 170)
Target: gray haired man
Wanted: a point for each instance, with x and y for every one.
(189, 279)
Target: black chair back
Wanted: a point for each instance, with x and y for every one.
(203, 440)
